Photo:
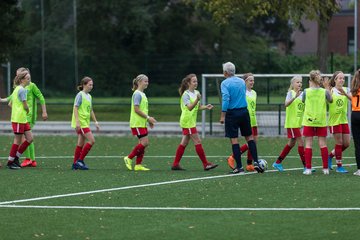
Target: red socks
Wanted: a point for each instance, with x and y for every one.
(200, 152)
(324, 157)
(77, 153)
(179, 153)
(308, 156)
(284, 153)
(137, 150)
(13, 151)
(85, 151)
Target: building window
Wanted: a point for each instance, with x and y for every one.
(350, 40)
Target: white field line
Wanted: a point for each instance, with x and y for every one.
(178, 208)
(138, 186)
(170, 156)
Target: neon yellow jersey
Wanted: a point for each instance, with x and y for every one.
(294, 112)
(33, 93)
(84, 111)
(251, 106)
(315, 107)
(188, 118)
(18, 113)
(137, 121)
(338, 108)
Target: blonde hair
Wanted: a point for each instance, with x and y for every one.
(297, 77)
(83, 82)
(19, 77)
(185, 83)
(355, 83)
(313, 77)
(22, 69)
(137, 80)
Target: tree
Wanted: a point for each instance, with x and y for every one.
(294, 10)
(11, 32)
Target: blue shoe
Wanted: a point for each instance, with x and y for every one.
(74, 167)
(330, 163)
(341, 170)
(81, 165)
(278, 166)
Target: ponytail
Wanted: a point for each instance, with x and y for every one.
(83, 82)
(185, 83)
(137, 80)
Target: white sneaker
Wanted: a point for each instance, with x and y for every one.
(326, 171)
(357, 173)
(307, 171)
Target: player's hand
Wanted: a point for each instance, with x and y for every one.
(222, 120)
(152, 122)
(44, 116)
(209, 106)
(97, 126)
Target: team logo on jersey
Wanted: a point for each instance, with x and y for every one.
(252, 105)
(301, 106)
(339, 103)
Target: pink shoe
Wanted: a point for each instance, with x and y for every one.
(26, 163)
(33, 163)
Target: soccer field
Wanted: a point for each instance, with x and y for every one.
(110, 202)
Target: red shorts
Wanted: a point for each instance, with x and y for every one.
(20, 128)
(83, 131)
(189, 131)
(293, 132)
(254, 131)
(139, 131)
(314, 131)
(341, 128)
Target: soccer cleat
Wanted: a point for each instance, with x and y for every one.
(341, 170)
(128, 163)
(231, 162)
(12, 165)
(312, 169)
(238, 171)
(177, 168)
(258, 168)
(357, 173)
(278, 166)
(210, 166)
(326, 171)
(74, 167)
(250, 168)
(33, 163)
(16, 161)
(307, 171)
(139, 167)
(330, 163)
(26, 163)
(81, 165)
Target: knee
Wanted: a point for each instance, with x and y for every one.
(92, 142)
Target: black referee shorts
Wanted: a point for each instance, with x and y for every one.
(236, 119)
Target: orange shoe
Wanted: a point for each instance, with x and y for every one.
(231, 162)
(26, 163)
(33, 163)
(250, 168)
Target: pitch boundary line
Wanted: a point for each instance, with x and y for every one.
(179, 208)
(141, 186)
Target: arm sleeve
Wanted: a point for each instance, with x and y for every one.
(38, 94)
(186, 99)
(22, 94)
(137, 99)
(288, 96)
(225, 97)
(78, 100)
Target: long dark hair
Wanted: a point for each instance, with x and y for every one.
(355, 83)
(185, 83)
(83, 82)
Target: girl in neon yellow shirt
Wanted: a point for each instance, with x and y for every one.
(338, 120)
(82, 112)
(190, 104)
(314, 120)
(139, 118)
